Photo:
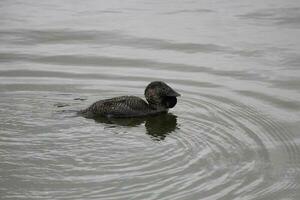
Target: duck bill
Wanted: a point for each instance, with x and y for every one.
(172, 93)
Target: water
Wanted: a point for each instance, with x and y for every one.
(234, 133)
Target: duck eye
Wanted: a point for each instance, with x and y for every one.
(151, 92)
(169, 102)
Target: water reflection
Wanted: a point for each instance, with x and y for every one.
(158, 127)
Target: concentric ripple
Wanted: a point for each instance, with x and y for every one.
(209, 146)
(241, 143)
(227, 152)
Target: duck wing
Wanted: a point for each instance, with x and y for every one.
(124, 106)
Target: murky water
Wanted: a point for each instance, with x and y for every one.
(234, 133)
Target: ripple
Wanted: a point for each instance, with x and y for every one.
(277, 16)
(69, 36)
(230, 142)
(225, 146)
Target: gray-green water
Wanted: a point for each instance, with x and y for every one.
(234, 133)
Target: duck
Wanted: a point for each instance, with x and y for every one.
(160, 97)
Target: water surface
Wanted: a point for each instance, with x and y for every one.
(234, 133)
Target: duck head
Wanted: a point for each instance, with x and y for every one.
(160, 96)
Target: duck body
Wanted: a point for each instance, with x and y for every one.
(160, 97)
(123, 106)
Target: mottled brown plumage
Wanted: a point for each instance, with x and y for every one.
(159, 95)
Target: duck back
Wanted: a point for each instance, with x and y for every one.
(124, 106)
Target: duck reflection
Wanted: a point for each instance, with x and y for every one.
(158, 127)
